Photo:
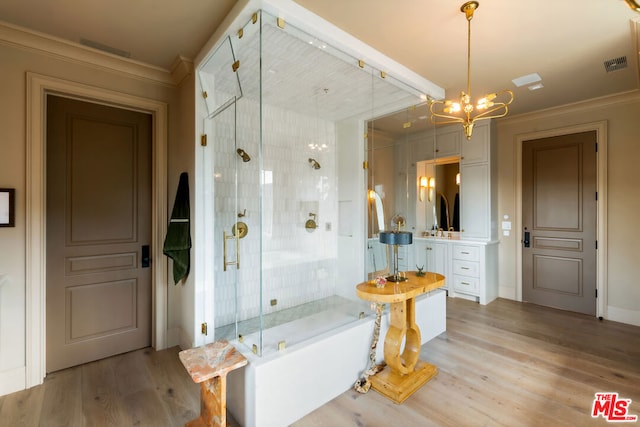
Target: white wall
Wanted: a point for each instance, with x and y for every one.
(23, 52)
(623, 174)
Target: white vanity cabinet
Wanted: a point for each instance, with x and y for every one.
(478, 190)
(436, 144)
(470, 267)
(447, 142)
(433, 256)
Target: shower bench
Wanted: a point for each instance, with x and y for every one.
(209, 366)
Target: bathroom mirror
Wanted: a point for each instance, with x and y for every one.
(447, 200)
(414, 168)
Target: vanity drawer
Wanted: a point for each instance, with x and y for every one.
(466, 284)
(466, 268)
(467, 253)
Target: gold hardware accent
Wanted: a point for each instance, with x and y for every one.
(360, 63)
(235, 66)
(240, 338)
(274, 302)
(365, 165)
(383, 74)
(282, 345)
(203, 328)
(254, 349)
(254, 17)
(311, 225)
(281, 23)
(224, 250)
(406, 125)
(205, 94)
(240, 228)
(203, 140)
(240, 33)
(366, 134)
(242, 214)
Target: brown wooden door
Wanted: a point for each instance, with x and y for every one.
(559, 219)
(98, 221)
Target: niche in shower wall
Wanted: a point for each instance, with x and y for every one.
(279, 94)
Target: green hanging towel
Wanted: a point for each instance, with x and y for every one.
(177, 243)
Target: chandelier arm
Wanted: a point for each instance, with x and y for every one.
(485, 114)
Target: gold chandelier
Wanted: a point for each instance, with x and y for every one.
(633, 5)
(490, 106)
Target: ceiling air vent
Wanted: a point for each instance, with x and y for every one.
(615, 64)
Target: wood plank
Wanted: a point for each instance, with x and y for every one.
(504, 364)
(22, 408)
(61, 402)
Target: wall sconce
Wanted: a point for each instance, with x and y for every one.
(458, 178)
(428, 186)
(422, 187)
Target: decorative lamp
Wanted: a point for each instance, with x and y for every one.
(396, 238)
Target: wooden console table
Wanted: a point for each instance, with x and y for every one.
(404, 373)
(209, 366)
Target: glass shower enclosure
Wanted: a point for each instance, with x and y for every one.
(277, 102)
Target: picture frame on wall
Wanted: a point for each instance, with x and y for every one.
(7, 207)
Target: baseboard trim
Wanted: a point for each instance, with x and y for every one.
(507, 292)
(623, 315)
(12, 380)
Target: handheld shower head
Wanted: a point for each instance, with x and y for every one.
(314, 163)
(243, 154)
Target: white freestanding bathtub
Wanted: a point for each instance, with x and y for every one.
(281, 387)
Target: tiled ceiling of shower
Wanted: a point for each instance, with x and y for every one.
(310, 80)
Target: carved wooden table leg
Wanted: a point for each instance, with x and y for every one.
(209, 366)
(404, 373)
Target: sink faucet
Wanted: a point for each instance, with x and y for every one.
(449, 235)
(441, 231)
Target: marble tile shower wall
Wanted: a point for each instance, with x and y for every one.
(298, 265)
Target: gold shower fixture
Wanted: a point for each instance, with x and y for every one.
(243, 155)
(490, 106)
(314, 163)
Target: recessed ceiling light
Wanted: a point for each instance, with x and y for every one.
(527, 80)
(536, 86)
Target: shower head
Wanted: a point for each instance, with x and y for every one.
(243, 154)
(314, 164)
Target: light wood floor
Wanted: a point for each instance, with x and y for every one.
(505, 364)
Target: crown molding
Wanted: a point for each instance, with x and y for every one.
(55, 47)
(631, 96)
(180, 69)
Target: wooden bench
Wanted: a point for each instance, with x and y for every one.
(209, 365)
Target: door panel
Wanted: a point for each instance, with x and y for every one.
(98, 211)
(559, 213)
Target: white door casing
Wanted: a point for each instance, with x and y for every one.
(37, 88)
